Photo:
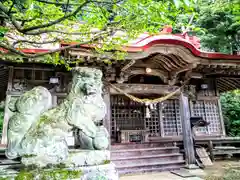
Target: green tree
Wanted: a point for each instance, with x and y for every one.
(219, 21)
(231, 112)
(84, 21)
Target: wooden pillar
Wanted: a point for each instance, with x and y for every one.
(5, 120)
(187, 132)
(210, 146)
(107, 119)
(6, 111)
(223, 133)
(161, 119)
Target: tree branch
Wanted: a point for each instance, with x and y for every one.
(10, 9)
(34, 42)
(57, 3)
(12, 19)
(56, 21)
(13, 50)
(39, 32)
(76, 4)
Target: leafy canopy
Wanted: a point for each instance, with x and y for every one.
(32, 23)
(231, 112)
(219, 21)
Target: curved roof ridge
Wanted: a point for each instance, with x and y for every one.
(171, 39)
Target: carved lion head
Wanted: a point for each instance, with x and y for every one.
(87, 81)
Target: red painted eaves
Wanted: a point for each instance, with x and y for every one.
(136, 47)
(185, 44)
(28, 51)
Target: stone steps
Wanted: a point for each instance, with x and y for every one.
(139, 158)
(139, 145)
(144, 151)
(150, 167)
(150, 159)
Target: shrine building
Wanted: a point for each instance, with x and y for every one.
(151, 96)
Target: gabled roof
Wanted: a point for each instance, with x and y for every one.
(145, 41)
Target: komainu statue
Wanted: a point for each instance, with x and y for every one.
(36, 131)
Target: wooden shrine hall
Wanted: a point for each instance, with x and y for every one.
(151, 96)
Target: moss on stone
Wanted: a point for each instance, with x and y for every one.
(44, 120)
(106, 162)
(29, 155)
(24, 175)
(45, 174)
(5, 178)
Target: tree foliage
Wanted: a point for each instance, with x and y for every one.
(84, 21)
(231, 112)
(34, 23)
(220, 25)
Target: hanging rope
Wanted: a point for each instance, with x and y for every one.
(146, 100)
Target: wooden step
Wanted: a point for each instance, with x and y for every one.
(144, 151)
(146, 159)
(150, 167)
(139, 146)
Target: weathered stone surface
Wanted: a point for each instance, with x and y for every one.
(28, 109)
(38, 134)
(99, 142)
(103, 172)
(87, 157)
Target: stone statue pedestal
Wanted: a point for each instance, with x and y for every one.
(87, 157)
(76, 158)
(103, 172)
(81, 165)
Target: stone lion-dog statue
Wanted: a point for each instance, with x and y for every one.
(37, 132)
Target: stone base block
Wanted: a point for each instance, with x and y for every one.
(87, 157)
(103, 172)
(76, 158)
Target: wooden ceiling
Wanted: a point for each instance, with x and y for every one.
(227, 84)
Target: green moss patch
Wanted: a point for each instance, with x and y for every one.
(45, 174)
(107, 162)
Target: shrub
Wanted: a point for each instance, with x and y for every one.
(230, 174)
(231, 112)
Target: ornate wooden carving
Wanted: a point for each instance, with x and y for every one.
(143, 89)
(163, 75)
(190, 91)
(128, 136)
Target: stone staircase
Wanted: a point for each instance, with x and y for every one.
(148, 157)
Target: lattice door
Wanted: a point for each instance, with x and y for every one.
(171, 118)
(129, 115)
(153, 122)
(126, 115)
(213, 116)
(209, 110)
(199, 111)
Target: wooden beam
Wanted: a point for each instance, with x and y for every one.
(207, 98)
(143, 89)
(187, 132)
(35, 68)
